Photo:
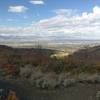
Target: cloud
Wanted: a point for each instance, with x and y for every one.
(61, 26)
(67, 12)
(17, 9)
(86, 25)
(37, 2)
(10, 20)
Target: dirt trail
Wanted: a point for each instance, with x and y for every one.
(76, 92)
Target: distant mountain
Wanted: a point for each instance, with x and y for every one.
(31, 39)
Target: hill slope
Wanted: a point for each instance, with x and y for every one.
(88, 57)
(12, 58)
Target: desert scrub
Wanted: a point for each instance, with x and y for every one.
(2, 72)
(98, 95)
(44, 80)
(26, 71)
(57, 66)
(89, 78)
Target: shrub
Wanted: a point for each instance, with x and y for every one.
(98, 95)
(57, 66)
(26, 71)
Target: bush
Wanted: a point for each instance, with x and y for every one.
(98, 95)
(2, 72)
(57, 66)
(26, 71)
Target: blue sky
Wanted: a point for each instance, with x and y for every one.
(36, 12)
(49, 19)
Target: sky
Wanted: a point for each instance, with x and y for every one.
(49, 20)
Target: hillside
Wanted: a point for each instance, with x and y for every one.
(88, 58)
(35, 66)
(11, 59)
